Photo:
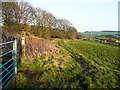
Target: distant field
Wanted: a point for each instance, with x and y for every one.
(103, 33)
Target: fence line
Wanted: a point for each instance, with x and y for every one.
(13, 66)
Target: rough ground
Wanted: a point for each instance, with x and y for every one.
(34, 46)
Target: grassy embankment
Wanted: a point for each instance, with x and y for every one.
(75, 64)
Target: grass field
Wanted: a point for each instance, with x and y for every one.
(74, 64)
(117, 33)
(101, 62)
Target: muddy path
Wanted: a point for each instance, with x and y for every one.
(75, 56)
(78, 58)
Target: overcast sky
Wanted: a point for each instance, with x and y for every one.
(86, 15)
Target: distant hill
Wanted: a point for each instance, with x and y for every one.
(117, 33)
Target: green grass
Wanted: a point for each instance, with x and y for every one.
(102, 38)
(101, 61)
(101, 33)
(78, 64)
(59, 72)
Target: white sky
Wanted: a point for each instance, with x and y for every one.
(86, 15)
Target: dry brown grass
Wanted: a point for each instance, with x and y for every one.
(34, 46)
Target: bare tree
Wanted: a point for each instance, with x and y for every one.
(24, 12)
(19, 16)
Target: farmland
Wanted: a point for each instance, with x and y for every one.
(117, 33)
(74, 64)
(100, 62)
(105, 39)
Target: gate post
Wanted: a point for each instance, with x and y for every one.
(23, 46)
(15, 55)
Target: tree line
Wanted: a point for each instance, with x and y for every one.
(21, 16)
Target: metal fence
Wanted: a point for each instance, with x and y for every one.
(9, 67)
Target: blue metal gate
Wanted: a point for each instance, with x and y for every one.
(9, 67)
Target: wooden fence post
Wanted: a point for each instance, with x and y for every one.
(15, 55)
(23, 47)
